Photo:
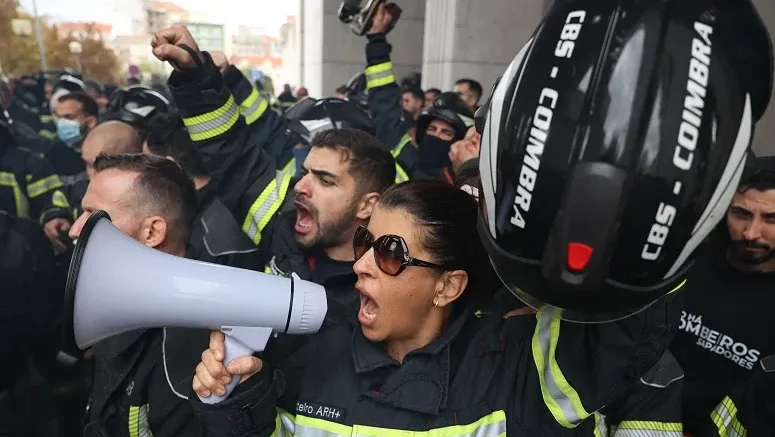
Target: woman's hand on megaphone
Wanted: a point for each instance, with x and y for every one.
(211, 373)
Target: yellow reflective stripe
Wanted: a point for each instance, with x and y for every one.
(21, 203)
(253, 107)
(677, 287)
(47, 118)
(138, 422)
(725, 419)
(379, 75)
(401, 175)
(60, 200)
(43, 186)
(290, 168)
(47, 134)
(268, 269)
(559, 397)
(265, 206)
(642, 428)
(211, 124)
(284, 424)
(492, 425)
(406, 139)
(601, 430)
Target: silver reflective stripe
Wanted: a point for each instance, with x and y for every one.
(646, 433)
(265, 206)
(307, 431)
(494, 429)
(144, 429)
(212, 124)
(251, 110)
(725, 418)
(547, 371)
(601, 429)
(379, 75)
(493, 425)
(138, 422)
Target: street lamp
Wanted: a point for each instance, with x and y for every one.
(76, 49)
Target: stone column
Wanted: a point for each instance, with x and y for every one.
(764, 141)
(475, 38)
(332, 53)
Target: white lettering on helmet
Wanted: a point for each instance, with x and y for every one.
(542, 120)
(694, 102)
(569, 33)
(688, 135)
(528, 174)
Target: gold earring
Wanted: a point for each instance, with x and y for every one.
(435, 303)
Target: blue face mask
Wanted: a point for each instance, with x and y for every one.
(69, 131)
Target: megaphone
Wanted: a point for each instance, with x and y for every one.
(116, 285)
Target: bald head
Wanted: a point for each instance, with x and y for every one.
(110, 138)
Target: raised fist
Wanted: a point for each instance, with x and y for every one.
(166, 47)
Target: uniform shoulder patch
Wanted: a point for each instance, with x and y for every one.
(768, 363)
(665, 372)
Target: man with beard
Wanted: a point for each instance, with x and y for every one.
(342, 178)
(727, 326)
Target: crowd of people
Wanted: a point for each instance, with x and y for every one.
(587, 249)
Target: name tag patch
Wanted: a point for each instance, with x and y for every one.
(321, 411)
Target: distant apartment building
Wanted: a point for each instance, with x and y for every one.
(80, 30)
(208, 36)
(253, 41)
(288, 47)
(161, 15)
(136, 50)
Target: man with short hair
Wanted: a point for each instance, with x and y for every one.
(216, 236)
(412, 101)
(341, 92)
(342, 178)
(77, 113)
(430, 96)
(470, 91)
(111, 138)
(153, 201)
(727, 326)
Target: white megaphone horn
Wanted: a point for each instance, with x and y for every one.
(116, 285)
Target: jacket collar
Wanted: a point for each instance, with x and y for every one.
(421, 382)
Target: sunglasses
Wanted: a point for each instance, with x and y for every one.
(390, 252)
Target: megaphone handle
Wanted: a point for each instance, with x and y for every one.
(234, 349)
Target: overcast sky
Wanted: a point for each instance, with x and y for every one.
(263, 13)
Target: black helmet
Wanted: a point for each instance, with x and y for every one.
(412, 80)
(607, 158)
(68, 82)
(136, 104)
(450, 108)
(356, 90)
(310, 117)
